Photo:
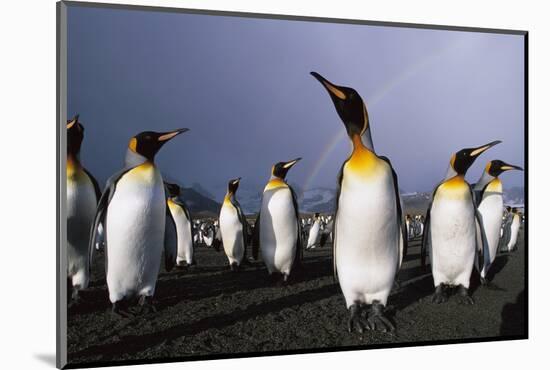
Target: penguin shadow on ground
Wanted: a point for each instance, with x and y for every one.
(412, 290)
(249, 277)
(132, 344)
(496, 267)
(513, 317)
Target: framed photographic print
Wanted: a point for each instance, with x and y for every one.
(236, 185)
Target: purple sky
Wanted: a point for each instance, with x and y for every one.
(243, 88)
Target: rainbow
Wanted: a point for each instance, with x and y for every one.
(372, 101)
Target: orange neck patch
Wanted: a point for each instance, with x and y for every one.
(456, 187)
(73, 167)
(143, 172)
(362, 160)
(275, 183)
(495, 186)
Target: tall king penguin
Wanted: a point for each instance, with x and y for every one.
(488, 192)
(233, 226)
(452, 231)
(136, 222)
(369, 231)
(183, 223)
(82, 196)
(277, 228)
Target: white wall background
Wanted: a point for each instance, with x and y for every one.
(27, 181)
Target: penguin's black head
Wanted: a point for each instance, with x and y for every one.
(316, 215)
(280, 169)
(463, 159)
(349, 106)
(496, 167)
(173, 190)
(233, 185)
(148, 143)
(75, 135)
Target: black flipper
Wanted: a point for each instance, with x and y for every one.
(299, 247)
(482, 246)
(101, 215)
(96, 185)
(170, 241)
(244, 224)
(425, 235)
(337, 200)
(256, 237)
(400, 223)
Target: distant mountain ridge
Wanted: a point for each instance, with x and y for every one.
(321, 199)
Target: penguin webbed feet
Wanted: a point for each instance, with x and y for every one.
(119, 310)
(463, 296)
(377, 320)
(357, 320)
(75, 297)
(234, 266)
(439, 295)
(146, 304)
(483, 281)
(374, 318)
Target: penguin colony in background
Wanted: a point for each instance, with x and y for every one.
(139, 217)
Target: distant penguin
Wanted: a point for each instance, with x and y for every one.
(314, 233)
(82, 196)
(452, 232)
(490, 206)
(505, 229)
(277, 228)
(183, 223)
(137, 223)
(233, 226)
(514, 230)
(208, 234)
(370, 236)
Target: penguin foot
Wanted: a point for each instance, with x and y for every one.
(483, 281)
(119, 310)
(439, 295)
(463, 296)
(234, 267)
(377, 320)
(356, 320)
(146, 304)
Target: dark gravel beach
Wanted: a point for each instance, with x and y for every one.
(210, 310)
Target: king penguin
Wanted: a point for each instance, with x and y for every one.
(452, 231)
(183, 223)
(82, 196)
(137, 224)
(233, 226)
(314, 236)
(514, 230)
(277, 228)
(490, 205)
(369, 231)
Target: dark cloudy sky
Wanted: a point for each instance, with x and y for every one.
(243, 88)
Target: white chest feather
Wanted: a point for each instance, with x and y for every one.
(367, 235)
(490, 211)
(278, 229)
(135, 232)
(183, 229)
(453, 234)
(231, 232)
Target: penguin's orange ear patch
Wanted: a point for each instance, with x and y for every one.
(71, 123)
(133, 145)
